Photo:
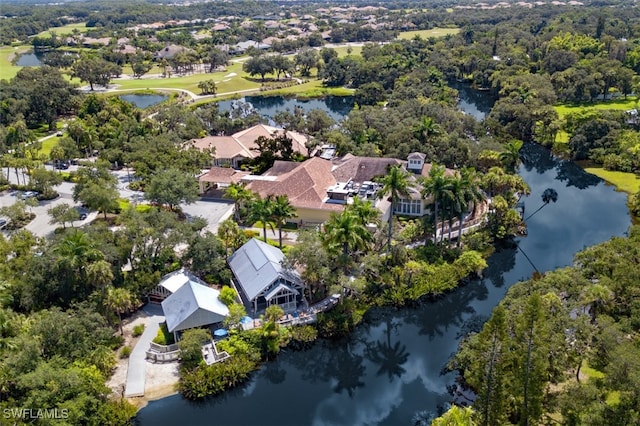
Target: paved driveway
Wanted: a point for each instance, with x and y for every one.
(213, 212)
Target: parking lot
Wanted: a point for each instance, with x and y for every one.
(213, 211)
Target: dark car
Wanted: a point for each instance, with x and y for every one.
(3, 223)
(82, 212)
(61, 165)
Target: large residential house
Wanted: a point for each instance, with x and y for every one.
(321, 185)
(261, 280)
(240, 147)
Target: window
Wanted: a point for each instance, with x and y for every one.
(409, 207)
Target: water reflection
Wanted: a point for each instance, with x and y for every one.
(337, 107)
(30, 59)
(143, 101)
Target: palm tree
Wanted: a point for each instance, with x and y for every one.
(510, 157)
(395, 182)
(261, 210)
(240, 195)
(435, 186)
(282, 210)
(101, 273)
(365, 210)
(548, 195)
(76, 251)
(119, 300)
(426, 129)
(471, 194)
(347, 231)
(457, 201)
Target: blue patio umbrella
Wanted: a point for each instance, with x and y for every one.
(246, 320)
(221, 332)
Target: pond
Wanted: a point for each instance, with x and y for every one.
(337, 107)
(29, 59)
(390, 370)
(144, 100)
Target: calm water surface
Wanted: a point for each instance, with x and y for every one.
(29, 60)
(391, 369)
(267, 106)
(144, 101)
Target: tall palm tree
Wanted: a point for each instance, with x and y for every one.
(119, 300)
(510, 157)
(282, 210)
(396, 182)
(240, 195)
(471, 194)
(435, 186)
(456, 200)
(261, 210)
(365, 210)
(347, 231)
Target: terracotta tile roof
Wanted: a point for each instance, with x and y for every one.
(243, 144)
(225, 146)
(305, 185)
(360, 169)
(281, 167)
(222, 175)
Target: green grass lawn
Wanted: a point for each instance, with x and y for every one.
(619, 104)
(7, 54)
(47, 145)
(64, 30)
(190, 82)
(344, 50)
(435, 32)
(626, 182)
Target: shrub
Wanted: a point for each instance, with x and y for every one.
(227, 295)
(302, 337)
(138, 330)
(125, 352)
(250, 233)
(215, 379)
(164, 337)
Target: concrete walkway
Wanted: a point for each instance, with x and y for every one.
(136, 371)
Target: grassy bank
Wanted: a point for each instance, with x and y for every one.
(626, 182)
(7, 53)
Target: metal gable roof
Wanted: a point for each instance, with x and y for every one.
(193, 305)
(256, 265)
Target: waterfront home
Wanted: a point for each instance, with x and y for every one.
(261, 280)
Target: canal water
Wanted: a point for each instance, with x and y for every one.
(391, 370)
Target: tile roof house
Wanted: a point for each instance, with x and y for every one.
(238, 148)
(219, 178)
(262, 281)
(169, 51)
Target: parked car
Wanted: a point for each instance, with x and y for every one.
(3, 223)
(82, 212)
(29, 194)
(61, 165)
(59, 133)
